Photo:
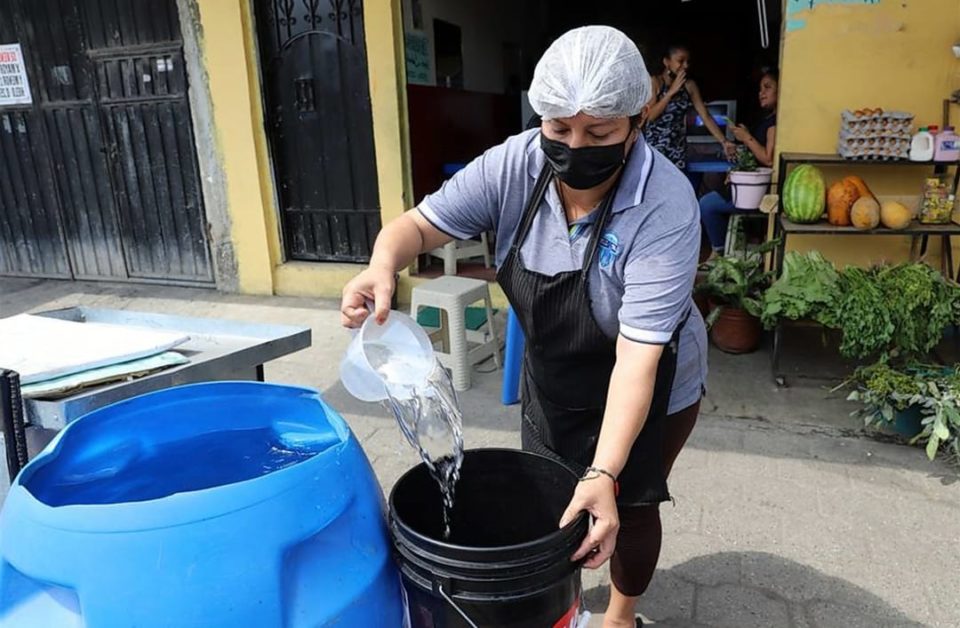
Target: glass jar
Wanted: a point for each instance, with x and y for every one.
(936, 206)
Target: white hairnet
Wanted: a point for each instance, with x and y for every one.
(594, 69)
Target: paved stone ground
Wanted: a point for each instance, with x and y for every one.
(786, 514)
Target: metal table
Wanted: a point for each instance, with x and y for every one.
(218, 350)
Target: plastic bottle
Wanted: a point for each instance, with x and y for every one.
(921, 146)
(947, 146)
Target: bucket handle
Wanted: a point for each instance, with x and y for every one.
(457, 608)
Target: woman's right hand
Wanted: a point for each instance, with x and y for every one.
(376, 284)
(678, 82)
(730, 150)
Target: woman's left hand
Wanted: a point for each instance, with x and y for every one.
(596, 496)
(741, 133)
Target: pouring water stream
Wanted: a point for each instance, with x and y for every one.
(417, 390)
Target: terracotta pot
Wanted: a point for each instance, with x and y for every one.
(736, 331)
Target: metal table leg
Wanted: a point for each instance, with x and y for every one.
(13, 423)
(778, 378)
(780, 251)
(947, 257)
(914, 248)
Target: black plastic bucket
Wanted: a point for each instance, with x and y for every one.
(506, 563)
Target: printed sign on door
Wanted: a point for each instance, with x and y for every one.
(14, 87)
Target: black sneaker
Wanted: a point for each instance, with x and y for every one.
(639, 621)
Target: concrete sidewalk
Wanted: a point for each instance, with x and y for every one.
(785, 514)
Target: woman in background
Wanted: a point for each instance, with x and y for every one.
(674, 95)
(715, 208)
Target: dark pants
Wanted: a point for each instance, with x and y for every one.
(715, 213)
(638, 543)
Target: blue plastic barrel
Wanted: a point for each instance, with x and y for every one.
(221, 504)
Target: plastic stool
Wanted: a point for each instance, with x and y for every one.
(452, 295)
(456, 250)
(735, 227)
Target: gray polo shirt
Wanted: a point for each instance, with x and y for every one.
(641, 282)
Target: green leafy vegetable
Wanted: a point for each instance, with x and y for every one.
(807, 287)
(901, 309)
(860, 313)
(921, 304)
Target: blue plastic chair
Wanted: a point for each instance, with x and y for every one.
(512, 360)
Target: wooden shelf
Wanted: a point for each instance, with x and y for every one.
(834, 159)
(823, 228)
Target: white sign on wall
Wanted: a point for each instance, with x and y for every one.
(418, 58)
(14, 86)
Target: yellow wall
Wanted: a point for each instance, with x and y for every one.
(231, 59)
(850, 54)
(227, 57)
(271, 219)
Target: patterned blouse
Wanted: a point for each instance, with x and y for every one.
(668, 133)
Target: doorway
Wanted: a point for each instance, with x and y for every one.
(320, 127)
(99, 177)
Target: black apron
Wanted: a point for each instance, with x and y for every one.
(568, 363)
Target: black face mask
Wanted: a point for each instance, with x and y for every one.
(585, 167)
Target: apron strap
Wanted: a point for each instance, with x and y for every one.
(598, 228)
(530, 211)
(603, 217)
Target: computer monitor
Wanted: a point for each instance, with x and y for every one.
(721, 111)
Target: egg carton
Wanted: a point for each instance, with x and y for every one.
(865, 121)
(866, 132)
(875, 153)
(868, 128)
(852, 141)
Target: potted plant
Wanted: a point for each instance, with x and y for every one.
(735, 288)
(748, 181)
(918, 401)
(887, 395)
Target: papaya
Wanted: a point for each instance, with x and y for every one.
(865, 213)
(894, 215)
(840, 198)
(862, 188)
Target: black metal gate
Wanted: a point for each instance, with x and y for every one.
(98, 176)
(320, 126)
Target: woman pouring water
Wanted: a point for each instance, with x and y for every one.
(597, 243)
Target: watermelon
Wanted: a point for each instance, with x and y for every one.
(804, 194)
